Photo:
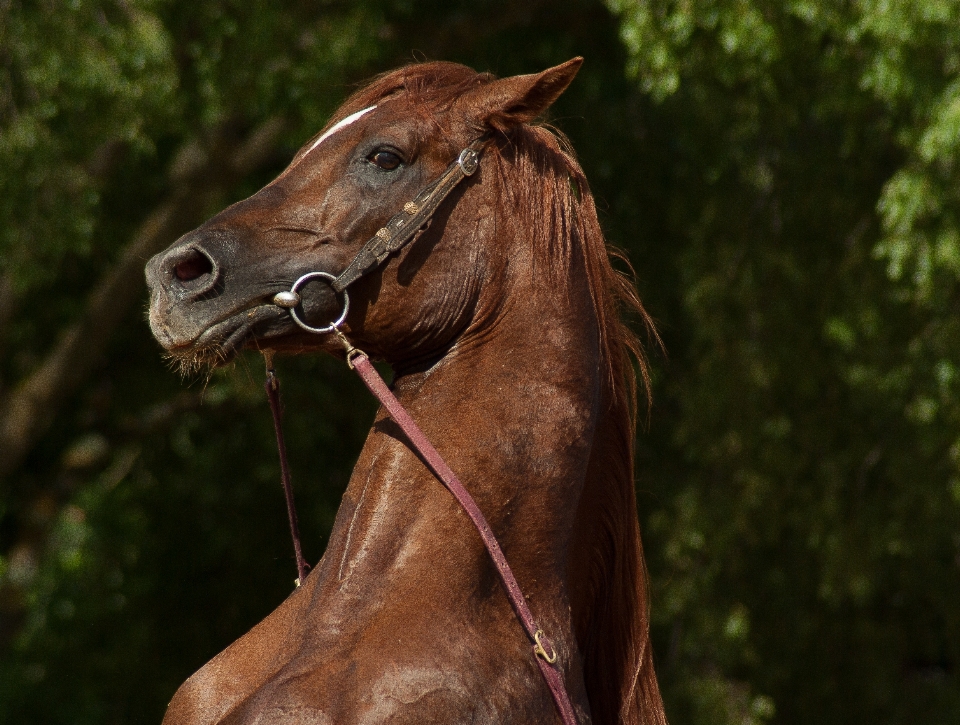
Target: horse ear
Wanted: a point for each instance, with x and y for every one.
(508, 102)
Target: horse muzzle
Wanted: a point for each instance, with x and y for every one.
(177, 277)
(202, 299)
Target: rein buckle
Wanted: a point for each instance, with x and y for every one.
(352, 352)
(540, 652)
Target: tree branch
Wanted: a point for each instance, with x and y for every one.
(200, 174)
(6, 307)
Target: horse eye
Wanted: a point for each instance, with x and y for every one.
(386, 160)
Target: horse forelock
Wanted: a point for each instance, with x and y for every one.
(429, 88)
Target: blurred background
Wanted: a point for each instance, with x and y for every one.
(785, 177)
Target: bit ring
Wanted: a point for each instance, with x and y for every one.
(293, 310)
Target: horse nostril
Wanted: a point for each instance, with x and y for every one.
(194, 266)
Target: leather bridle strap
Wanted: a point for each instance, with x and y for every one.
(272, 386)
(544, 652)
(414, 216)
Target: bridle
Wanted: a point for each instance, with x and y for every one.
(391, 237)
(403, 227)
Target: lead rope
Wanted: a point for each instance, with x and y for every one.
(272, 386)
(543, 650)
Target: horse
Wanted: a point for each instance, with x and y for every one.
(504, 322)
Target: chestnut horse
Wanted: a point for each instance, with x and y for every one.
(502, 323)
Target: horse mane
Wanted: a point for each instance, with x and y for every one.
(608, 579)
(547, 187)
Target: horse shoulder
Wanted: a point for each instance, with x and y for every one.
(229, 679)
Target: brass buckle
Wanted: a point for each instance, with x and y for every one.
(540, 652)
(351, 351)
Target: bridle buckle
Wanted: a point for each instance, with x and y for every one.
(469, 161)
(540, 651)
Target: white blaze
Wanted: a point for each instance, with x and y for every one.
(338, 126)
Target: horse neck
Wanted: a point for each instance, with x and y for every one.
(511, 405)
(520, 392)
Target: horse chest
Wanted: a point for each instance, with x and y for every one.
(354, 691)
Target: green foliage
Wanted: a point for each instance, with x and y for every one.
(810, 157)
(783, 176)
(79, 81)
(303, 53)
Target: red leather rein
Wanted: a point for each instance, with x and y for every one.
(543, 650)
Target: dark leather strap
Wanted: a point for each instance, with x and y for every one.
(411, 219)
(544, 653)
(272, 386)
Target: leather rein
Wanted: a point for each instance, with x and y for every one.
(401, 229)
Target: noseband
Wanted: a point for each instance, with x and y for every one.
(401, 228)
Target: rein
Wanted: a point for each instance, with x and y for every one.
(395, 234)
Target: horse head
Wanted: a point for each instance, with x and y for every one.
(212, 292)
